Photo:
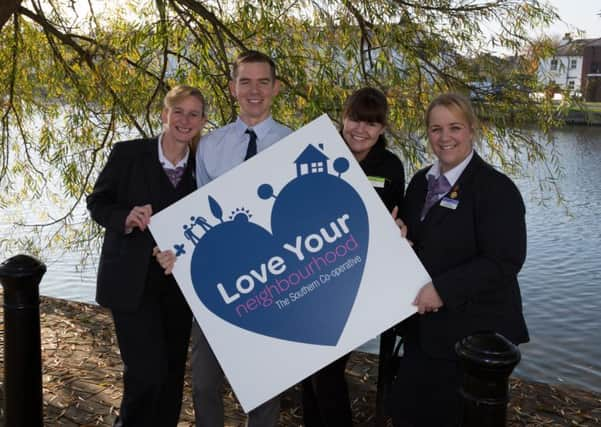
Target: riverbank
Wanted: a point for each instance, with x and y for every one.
(82, 380)
(577, 116)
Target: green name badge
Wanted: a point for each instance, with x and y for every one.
(377, 181)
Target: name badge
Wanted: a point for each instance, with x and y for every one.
(377, 181)
(449, 203)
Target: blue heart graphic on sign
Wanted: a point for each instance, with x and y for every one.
(298, 282)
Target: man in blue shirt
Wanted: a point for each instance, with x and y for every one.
(254, 85)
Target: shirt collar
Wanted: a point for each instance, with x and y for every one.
(261, 129)
(451, 175)
(166, 163)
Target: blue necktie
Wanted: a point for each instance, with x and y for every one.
(437, 187)
(252, 144)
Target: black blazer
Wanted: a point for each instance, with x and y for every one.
(131, 177)
(473, 254)
(381, 162)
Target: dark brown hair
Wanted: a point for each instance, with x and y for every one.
(253, 56)
(366, 105)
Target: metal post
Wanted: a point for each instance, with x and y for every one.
(487, 358)
(20, 277)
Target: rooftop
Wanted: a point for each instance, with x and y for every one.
(576, 47)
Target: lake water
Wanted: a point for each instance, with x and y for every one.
(560, 282)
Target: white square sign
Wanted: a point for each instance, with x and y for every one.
(289, 261)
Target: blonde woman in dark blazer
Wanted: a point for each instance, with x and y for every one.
(472, 241)
(152, 319)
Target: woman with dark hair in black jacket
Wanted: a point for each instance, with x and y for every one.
(364, 119)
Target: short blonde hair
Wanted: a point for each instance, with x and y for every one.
(180, 92)
(456, 102)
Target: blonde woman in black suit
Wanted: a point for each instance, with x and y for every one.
(152, 319)
(472, 241)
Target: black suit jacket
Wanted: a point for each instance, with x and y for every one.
(131, 177)
(382, 163)
(473, 254)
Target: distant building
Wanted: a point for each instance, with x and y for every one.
(591, 70)
(575, 67)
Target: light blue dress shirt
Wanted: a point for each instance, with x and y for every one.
(225, 147)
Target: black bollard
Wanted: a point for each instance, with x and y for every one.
(487, 360)
(20, 277)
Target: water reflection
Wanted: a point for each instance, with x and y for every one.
(560, 280)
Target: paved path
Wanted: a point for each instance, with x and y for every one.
(82, 380)
(82, 372)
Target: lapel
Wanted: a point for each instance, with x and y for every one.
(151, 170)
(414, 201)
(437, 214)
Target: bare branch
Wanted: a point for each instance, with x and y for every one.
(7, 9)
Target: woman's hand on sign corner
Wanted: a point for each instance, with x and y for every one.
(427, 299)
(166, 259)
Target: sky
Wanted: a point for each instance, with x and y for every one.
(580, 14)
(576, 14)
